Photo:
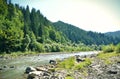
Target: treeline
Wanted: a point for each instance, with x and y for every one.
(115, 34)
(77, 35)
(22, 29)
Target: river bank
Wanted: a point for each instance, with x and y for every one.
(29, 53)
(13, 68)
(101, 66)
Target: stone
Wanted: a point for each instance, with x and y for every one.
(53, 62)
(112, 72)
(30, 69)
(5, 66)
(1, 68)
(41, 69)
(12, 66)
(80, 60)
(35, 74)
(118, 62)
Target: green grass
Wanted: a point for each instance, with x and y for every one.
(69, 77)
(106, 57)
(67, 63)
(71, 64)
(82, 65)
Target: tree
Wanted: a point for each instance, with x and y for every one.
(3, 8)
(27, 21)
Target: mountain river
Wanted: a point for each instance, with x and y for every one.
(15, 68)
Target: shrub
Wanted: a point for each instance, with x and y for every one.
(117, 50)
(81, 65)
(38, 47)
(108, 48)
(67, 63)
(69, 77)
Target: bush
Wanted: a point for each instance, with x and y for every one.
(108, 48)
(69, 77)
(81, 65)
(117, 50)
(67, 63)
(38, 47)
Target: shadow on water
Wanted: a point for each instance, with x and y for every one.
(14, 68)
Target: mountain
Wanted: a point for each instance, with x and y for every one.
(77, 35)
(23, 30)
(113, 34)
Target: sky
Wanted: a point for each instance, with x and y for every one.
(90, 15)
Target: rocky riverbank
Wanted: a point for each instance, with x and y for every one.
(102, 66)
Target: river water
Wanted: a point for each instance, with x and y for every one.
(7, 71)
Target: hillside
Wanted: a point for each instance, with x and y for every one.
(25, 30)
(113, 34)
(76, 34)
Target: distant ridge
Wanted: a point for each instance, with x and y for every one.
(113, 34)
(76, 34)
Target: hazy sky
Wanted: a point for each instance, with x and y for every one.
(95, 15)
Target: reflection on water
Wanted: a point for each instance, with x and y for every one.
(14, 68)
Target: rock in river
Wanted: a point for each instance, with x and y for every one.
(30, 69)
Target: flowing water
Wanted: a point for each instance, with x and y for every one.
(15, 68)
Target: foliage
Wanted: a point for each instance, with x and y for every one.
(106, 56)
(11, 33)
(69, 77)
(117, 50)
(81, 65)
(67, 63)
(111, 48)
(108, 48)
(71, 64)
(76, 34)
(114, 34)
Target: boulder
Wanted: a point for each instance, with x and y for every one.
(41, 69)
(35, 74)
(5, 66)
(79, 60)
(12, 66)
(53, 62)
(118, 62)
(30, 69)
(112, 72)
(1, 68)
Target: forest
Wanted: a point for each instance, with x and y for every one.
(22, 29)
(77, 35)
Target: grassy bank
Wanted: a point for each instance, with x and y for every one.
(83, 68)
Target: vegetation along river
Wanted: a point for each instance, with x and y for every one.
(14, 68)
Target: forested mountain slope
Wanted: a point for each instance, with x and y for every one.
(114, 34)
(76, 34)
(22, 29)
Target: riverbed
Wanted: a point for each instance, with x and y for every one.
(14, 68)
